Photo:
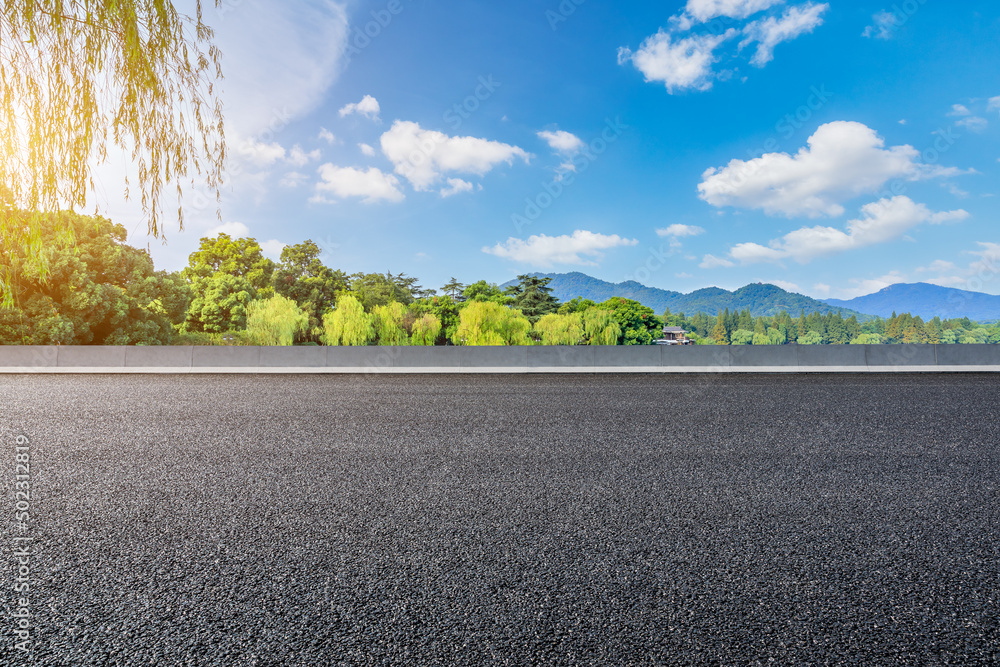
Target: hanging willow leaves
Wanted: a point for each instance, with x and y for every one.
(81, 76)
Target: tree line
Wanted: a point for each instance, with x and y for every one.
(94, 288)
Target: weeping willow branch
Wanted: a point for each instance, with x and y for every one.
(80, 76)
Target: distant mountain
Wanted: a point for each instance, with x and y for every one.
(927, 301)
(761, 299)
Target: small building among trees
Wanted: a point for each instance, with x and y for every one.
(674, 336)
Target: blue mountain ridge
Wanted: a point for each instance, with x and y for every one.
(927, 301)
(762, 299)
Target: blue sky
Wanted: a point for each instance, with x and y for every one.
(831, 148)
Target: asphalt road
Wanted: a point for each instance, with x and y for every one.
(312, 520)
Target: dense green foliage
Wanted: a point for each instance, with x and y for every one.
(274, 321)
(99, 291)
(533, 297)
(302, 277)
(638, 324)
(104, 291)
(226, 275)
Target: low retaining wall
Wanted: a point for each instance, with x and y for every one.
(537, 359)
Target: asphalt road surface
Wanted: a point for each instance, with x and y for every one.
(313, 520)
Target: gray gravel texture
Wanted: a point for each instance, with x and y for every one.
(513, 520)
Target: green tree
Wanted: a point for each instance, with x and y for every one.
(719, 333)
(80, 78)
(639, 325)
(302, 277)
(555, 329)
(742, 337)
(226, 275)
(867, 339)
(380, 289)
(811, 338)
(388, 323)
(348, 324)
(98, 290)
(484, 291)
(445, 309)
(454, 289)
(426, 330)
(576, 305)
(600, 327)
(275, 321)
(488, 323)
(533, 297)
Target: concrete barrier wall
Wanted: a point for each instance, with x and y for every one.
(650, 358)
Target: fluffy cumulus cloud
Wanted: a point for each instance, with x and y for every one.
(368, 107)
(455, 186)
(237, 230)
(770, 32)
(842, 160)
(684, 56)
(367, 150)
(679, 231)
(423, 157)
(371, 185)
(994, 104)
(579, 248)
(880, 222)
(679, 64)
(706, 10)
(883, 25)
(713, 262)
(562, 141)
(300, 158)
(272, 249)
(326, 135)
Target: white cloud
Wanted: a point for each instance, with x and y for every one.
(843, 159)
(884, 26)
(772, 31)
(562, 141)
(300, 158)
(581, 248)
(937, 266)
(959, 110)
(272, 249)
(861, 287)
(706, 10)
(713, 262)
(681, 64)
(371, 185)
(683, 275)
(880, 222)
(994, 104)
(988, 264)
(785, 285)
(822, 289)
(367, 150)
(455, 186)
(326, 135)
(973, 123)
(259, 153)
(368, 107)
(423, 156)
(293, 179)
(236, 230)
(680, 231)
